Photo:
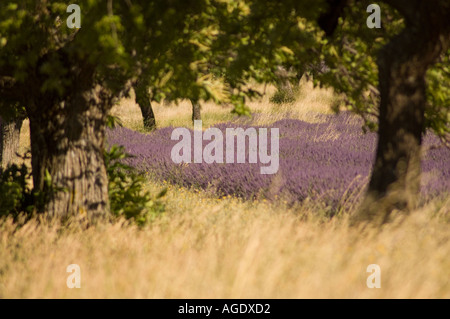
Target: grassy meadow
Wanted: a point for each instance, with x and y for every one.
(209, 247)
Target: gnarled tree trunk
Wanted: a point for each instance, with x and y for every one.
(9, 140)
(196, 111)
(142, 98)
(67, 143)
(403, 63)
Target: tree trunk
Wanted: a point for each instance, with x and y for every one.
(143, 100)
(9, 141)
(196, 108)
(403, 63)
(67, 143)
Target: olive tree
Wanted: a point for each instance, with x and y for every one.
(68, 79)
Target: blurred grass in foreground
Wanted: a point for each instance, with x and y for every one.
(226, 248)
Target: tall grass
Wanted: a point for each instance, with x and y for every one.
(225, 248)
(311, 103)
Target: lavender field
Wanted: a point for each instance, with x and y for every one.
(328, 162)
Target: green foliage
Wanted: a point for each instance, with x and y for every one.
(351, 57)
(284, 96)
(256, 37)
(195, 49)
(437, 113)
(113, 121)
(175, 45)
(15, 193)
(239, 105)
(127, 193)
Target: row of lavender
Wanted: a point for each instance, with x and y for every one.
(328, 161)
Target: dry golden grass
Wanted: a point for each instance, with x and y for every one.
(312, 101)
(204, 247)
(224, 248)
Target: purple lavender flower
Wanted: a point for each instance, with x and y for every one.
(329, 162)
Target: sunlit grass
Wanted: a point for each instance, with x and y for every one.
(311, 103)
(224, 248)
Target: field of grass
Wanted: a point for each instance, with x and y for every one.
(312, 101)
(206, 247)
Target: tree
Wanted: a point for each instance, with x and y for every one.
(396, 77)
(72, 77)
(142, 98)
(196, 111)
(403, 64)
(189, 50)
(414, 37)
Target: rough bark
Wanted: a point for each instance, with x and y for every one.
(403, 63)
(142, 98)
(196, 111)
(10, 97)
(67, 141)
(9, 141)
